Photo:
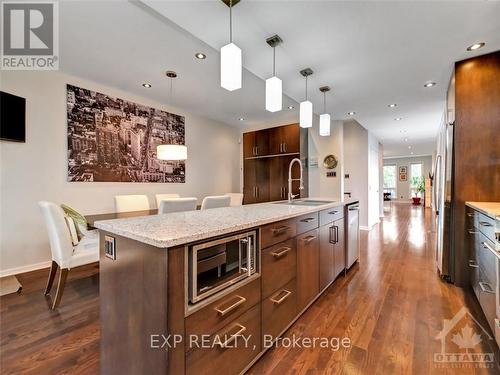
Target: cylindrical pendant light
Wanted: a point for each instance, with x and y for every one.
(324, 119)
(306, 108)
(230, 60)
(274, 90)
(171, 152)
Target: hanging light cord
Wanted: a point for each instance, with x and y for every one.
(230, 21)
(274, 61)
(324, 101)
(306, 88)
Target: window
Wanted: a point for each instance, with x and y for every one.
(390, 181)
(415, 172)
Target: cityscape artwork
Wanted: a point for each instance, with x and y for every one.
(111, 139)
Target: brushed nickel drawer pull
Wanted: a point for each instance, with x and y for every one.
(223, 312)
(485, 224)
(333, 212)
(307, 219)
(278, 254)
(280, 230)
(473, 264)
(486, 245)
(233, 337)
(282, 299)
(469, 214)
(309, 239)
(471, 231)
(486, 288)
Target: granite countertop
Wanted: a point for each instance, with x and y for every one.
(183, 227)
(492, 209)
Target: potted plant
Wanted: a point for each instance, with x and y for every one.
(419, 184)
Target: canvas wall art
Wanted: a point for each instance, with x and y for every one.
(111, 139)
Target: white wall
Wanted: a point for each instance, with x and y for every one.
(37, 170)
(403, 187)
(319, 147)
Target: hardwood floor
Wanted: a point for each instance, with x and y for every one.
(391, 306)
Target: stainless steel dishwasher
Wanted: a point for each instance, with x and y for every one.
(352, 234)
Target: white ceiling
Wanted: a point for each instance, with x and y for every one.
(371, 54)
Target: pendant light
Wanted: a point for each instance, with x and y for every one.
(306, 107)
(274, 90)
(171, 151)
(230, 59)
(324, 119)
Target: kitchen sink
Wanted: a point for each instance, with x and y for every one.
(304, 202)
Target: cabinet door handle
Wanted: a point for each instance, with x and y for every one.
(471, 231)
(470, 214)
(309, 239)
(284, 147)
(333, 213)
(486, 245)
(280, 230)
(282, 299)
(486, 288)
(307, 219)
(485, 224)
(256, 150)
(228, 309)
(336, 233)
(473, 264)
(233, 337)
(278, 254)
(332, 241)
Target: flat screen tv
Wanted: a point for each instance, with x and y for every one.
(12, 117)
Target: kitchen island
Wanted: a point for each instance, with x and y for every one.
(191, 292)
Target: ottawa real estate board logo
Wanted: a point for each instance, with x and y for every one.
(30, 35)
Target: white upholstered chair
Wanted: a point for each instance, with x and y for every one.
(126, 203)
(65, 255)
(215, 201)
(177, 205)
(160, 197)
(236, 199)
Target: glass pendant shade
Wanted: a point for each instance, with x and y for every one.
(230, 67)
(273, 94)
(324, 125)
(171, 152)
(306, 114)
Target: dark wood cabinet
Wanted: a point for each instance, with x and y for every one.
(339, 247)
(256, 143)
(326, 256)
(307, 268)
(267, 155)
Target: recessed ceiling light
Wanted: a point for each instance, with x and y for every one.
(398, 119)
(392, 105)
(430, 84)
(146, 85)
(291, 107)
(411, 153)
(351, 113)
(402, 131)
(200, 56)
(409, 147)
(406, 139)
(475, 46)
(241, 119)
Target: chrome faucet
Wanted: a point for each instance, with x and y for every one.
(290, 179)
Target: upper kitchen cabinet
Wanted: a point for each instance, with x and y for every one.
(284, 139)
(256, 143)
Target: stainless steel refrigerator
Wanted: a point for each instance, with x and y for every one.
(443, 199)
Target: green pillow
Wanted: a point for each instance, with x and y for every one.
(78, 218)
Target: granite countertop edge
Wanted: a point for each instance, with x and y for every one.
(491, 209)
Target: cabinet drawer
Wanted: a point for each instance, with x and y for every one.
(308, 222)
(487, 260)
(487, 298)
(471, 218)
(279, 309)
(330, 215)
(213, 317)
(236, 355)
(277, 232)
(487, 226)
(279, 263)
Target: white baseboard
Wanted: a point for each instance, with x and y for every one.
(23, 269)
(362, 227)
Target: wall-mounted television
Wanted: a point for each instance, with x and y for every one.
(12, 117)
